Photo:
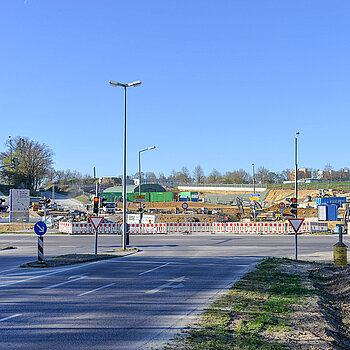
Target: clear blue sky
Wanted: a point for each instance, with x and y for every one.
(225, 83)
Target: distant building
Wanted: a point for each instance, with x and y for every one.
(302, 174)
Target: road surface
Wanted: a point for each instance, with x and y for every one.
(134, 302)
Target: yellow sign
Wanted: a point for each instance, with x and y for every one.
(254, 198)
(140, 197)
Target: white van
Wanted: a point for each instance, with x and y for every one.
(109, 208)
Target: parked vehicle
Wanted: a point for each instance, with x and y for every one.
(109, 208)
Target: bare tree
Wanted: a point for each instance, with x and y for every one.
(198, 174)
(237, 177)
(214, 176)
(35, 162)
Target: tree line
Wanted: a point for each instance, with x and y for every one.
(240, 176)
(36, 167)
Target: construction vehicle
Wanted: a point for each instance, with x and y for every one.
(326, 193)
(3, 207)
(346, 218)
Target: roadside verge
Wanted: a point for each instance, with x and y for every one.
(281, 304)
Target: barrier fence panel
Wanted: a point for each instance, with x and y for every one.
(318, 227)
(196, 227)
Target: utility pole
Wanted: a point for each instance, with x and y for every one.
(296, 170)
(125, 232)
(296, 191)
(254, 212)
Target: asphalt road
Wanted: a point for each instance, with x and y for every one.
(134, 302)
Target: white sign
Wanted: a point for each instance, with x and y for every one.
(19, 205)
(296, 224)
(96, 221)
(19, 200)
(135, 219)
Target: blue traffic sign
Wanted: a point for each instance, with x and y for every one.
(40, 228)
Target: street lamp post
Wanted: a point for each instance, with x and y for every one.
(296, 191)
(254, 213)
(125, 234)
(143, 150)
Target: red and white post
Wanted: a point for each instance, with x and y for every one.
(40, 248)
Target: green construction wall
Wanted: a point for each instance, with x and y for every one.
(161, 196)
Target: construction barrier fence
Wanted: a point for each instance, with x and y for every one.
(194, 227)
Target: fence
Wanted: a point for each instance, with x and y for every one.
(196, 227)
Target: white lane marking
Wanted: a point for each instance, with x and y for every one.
(75, 276)
(175, 263)
(156, 268)
(145, 262)
(50, 273)
(94, 290)
(25, 273)
(62, 283)
(169, 284)
(222, 264)
(14, 268)
(9, 317)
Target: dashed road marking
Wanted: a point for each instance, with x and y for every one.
(66, 282)
(156, 268)
(9, 317)
(94, 290)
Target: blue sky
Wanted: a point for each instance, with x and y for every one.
(224, 83)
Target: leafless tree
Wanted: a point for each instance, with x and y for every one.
(198, 174)
(35, 162)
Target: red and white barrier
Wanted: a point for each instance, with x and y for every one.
(195, 227)
(87, 228)
(318, 227)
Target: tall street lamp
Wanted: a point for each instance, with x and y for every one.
(296, 191)
(143, 150)
(254, 213)
(296, 170)
(125, 234)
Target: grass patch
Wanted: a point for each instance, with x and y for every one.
(257, 304)
(70, 259)
(82, 199)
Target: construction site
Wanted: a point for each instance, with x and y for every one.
(206, 206)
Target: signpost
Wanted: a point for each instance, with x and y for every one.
(96, 222)
(282, 206)
(184, 207)
(296, 224)
(254, 197)
(139, 198)
(40, 229)
(19, 205)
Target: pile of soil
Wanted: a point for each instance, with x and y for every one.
(323, 321)
(281, 195)
(334, 284)
(10, 227)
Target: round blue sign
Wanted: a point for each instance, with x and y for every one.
(40, 228)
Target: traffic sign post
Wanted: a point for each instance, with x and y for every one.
(282, 206)
(184, 207)
(40, 229)
(96, 221)
(296, 224)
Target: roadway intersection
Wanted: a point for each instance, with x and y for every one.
(133, 302)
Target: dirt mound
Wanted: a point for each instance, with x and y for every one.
(334, 282)
(281, 195)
